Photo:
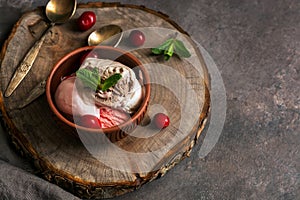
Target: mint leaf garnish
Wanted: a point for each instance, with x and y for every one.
(110, 81)
(92, 79)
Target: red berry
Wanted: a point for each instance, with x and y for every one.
(137, 38)
(161, 120)
(89, 54)
(90, 121)
(86, 20)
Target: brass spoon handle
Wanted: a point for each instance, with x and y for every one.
(26, 64)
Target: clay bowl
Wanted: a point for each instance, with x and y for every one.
(70, 63)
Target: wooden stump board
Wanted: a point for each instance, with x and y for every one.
(66, 160)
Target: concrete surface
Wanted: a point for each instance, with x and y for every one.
(256, 46)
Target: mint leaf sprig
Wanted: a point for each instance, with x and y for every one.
(171, 46)
(92, 79)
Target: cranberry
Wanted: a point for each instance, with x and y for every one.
(137, 38)
(89, 54)
(161, 120)
(90, 121)
(86, 20)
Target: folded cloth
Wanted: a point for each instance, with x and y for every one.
(17, 184)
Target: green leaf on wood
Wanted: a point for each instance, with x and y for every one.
(171, 46)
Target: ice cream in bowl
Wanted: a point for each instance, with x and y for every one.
(102, 90)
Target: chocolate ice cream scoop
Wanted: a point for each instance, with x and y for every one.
(126, 95)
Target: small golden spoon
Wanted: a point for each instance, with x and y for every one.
(109, 35)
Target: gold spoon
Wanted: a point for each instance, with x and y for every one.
(109, 35)
(57, 12)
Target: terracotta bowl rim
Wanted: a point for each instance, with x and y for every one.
(140, 111)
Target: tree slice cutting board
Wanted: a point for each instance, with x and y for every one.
(88, 168)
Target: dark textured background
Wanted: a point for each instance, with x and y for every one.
(256, 46)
